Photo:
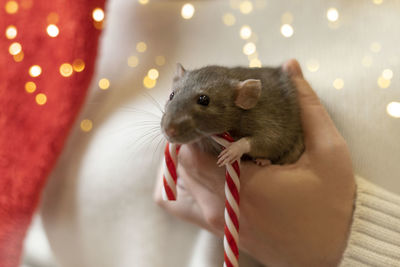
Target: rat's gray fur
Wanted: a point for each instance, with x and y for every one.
(273, 125)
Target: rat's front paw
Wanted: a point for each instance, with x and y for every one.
(230, 154)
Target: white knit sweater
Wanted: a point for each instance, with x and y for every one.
(375, 232)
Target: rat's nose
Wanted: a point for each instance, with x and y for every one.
(171, 131)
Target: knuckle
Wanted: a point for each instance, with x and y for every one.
(214, 218)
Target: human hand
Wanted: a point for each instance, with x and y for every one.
(291, 215)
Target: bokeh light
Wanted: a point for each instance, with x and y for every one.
(141, 47)
(383, 83)
(52, 30)
(387, 74)
(249, 48)
(255, 63)
(287, 30)
(104, 84)
(11, 7)
(246, 7)
(15, 48)
(11, 32)
(367, 61)
(148, 82)
(338, 83)
(133, 61)
(160, 60)
(287, 18)
(41, 99)
(377, 2)
(30, 87)
(66, 69)
(86, 125)
(98, 14)
(19, 57)
(228, 19)
(187, 11)
(332, 14)
(153, 74)
(312, 65)
(78, 65)
(245, 32)
(393, 109)
(375, 47)
(35, 71)
(143, 2)
(52, 18)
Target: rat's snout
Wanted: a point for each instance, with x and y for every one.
(171, 131)
(178, 129)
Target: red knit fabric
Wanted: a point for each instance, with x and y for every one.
(32, 135)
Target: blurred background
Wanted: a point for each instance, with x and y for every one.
(97, 209)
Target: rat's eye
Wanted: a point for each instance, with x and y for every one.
(171, 96)
(203, 100)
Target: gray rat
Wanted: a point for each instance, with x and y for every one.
(257, 106)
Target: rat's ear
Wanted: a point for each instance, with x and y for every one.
(180, 71)
(248, 93)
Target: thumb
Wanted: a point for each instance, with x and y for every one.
(319, 129)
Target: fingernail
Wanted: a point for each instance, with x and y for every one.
(293, 68)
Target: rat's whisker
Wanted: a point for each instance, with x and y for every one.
(153, 100)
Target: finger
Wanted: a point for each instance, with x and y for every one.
(185, 207)
(319, 129)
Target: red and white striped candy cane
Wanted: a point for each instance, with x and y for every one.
(232, 197)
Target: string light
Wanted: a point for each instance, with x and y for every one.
(338, 83)
(332, 14)
(148, 82)
(11, 32)
(66, 69)
(52, 30)
(249, 48)
(41, 99)
(11, 7)
(287, 30)
(287, 18)
(153, 74)
(245, 32)
(52, 18)
(30, 87)
(35, 71)
(312, 65)
(246, 7)
(141, 47)
(86, 125)
(187, 11)
(160, 60)
(228, 19)
(98, 14)
(104, 84)
(78, 65)
(15, 48)
(393, 109)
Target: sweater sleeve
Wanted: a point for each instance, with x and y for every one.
(374, 238)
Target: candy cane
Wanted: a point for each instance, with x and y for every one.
(232, 197)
